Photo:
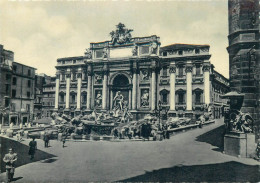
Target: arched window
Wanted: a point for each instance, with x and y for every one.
(180, 96)
(62, 98)
(164, 96)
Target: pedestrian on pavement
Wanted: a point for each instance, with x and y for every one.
(46, 139)
(9, 160)
(63, 139)
(32, 148)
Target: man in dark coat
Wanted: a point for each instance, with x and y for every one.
(46, 139)
(9, 159)
(32, 148)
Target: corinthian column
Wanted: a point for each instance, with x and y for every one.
(68, 75)
(154, 100)
(79, 75)
(172, 87)
(104, 90)
(134, 99)
(189, 87)
(57, 88)
(206, 70)
(89, 91)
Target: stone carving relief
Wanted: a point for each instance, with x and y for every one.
(105, 53)
(154, 47)
(235, 12)
(144, 75)
(88, 54)
(135, 50)
(98, 99)
(98, 78)
(121, 35)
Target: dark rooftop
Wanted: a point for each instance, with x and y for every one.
(178, 46)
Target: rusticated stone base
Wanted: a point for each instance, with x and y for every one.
(239, 144)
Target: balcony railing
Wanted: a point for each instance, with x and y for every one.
(180, 106)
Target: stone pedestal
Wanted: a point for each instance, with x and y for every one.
(77, 112)
(239, 144)
(172, 113)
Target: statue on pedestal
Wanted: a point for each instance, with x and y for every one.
(145, 99)
(118, 101)
(98, 99)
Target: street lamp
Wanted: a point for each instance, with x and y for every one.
(157, 113)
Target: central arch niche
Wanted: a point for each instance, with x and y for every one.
(120, 84)
(121, 81)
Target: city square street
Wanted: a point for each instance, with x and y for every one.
(194, 155)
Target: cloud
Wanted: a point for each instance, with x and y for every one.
(41, 32)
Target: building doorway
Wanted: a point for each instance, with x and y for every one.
(25, 120)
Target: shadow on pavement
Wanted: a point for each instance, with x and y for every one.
(16, 178)
(51, 160)
(214, 137)
(221, 172)
(22, 153)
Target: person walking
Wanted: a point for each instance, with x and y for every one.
(9, 160)
(46, 139)
(32, 148)
(63, 139)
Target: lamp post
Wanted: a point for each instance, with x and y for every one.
(157, 113)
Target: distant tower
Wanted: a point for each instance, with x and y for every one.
(243, 49)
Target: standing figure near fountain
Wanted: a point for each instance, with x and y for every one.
(118, 103)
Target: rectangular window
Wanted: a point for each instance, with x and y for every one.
(99, 53)
(164, 97)
(29, 83)
(62, 97)
(14, 80)
(74, 76)
(84, 98)
(13, 107)
(165, 54)
(164, 71)
(181, 71)
(73, 98)
(28, 107)
(180, 52)
(181, 98)
(63, 77)
(197, 51)
(14, 68)
(144, 50)
(197, 98)
(7, 89)
(8, 76)
(197, 70)
(29, 72)
(13, 93)
(28, 94)
(7, 102)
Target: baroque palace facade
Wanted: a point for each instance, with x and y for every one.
(137, 73)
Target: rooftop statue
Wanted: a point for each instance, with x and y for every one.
(88, 54)
(121, 35)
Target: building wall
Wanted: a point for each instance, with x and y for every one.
(23, 85)
(146, 74)
(48, 98)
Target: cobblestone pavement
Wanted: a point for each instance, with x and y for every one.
(117, 161)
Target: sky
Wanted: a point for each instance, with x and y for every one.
(40, 32)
